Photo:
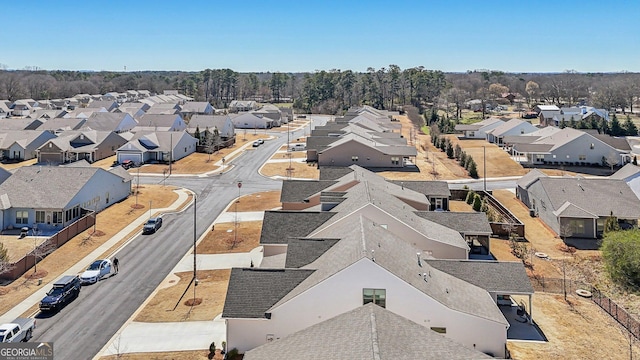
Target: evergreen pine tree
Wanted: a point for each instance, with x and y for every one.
(450, 154)
(616, 129)
(463, 158)
(473, 170)
(197, 133)
(630, 129)
(457, 151)
(477, 203)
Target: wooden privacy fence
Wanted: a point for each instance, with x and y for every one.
(26, 262)
(510, 223)
(558, 286)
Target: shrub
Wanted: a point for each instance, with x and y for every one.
(470, 196)
(212, 347)
(463, 158)
(450, 154)
(232, 354)
(621, 254)
(477, 203)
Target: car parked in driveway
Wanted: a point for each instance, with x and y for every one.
(127, 164)
(63, 292)
(96, 271)
(152, 225)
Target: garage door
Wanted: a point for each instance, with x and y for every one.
(53, 158)
(136, 158)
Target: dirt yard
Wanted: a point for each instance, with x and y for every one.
(259, 201)
(223, 238)
(109, 222)
(498, 161)
(299, 170)
(211, 289)
(11, 166)
(578, 329)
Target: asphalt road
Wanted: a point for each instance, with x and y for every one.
(84, 326)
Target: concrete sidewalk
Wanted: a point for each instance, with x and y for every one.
(81, 265)
(139, 337)
(229, 216)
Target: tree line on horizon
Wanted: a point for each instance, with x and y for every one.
(334, 91)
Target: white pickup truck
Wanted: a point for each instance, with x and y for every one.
(21, 329)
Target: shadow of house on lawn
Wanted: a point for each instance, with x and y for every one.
(583, 243)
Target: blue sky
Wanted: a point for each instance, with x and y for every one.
(292, 36)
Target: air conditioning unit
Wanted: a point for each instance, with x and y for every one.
(532, 212)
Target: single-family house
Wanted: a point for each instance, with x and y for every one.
(249, 120)
(108, 105)
(116, 122)
(59, 125)
(164, 109)
(55, 196)
(162, 146)
(353, 149)
(360, 192)
(576, 206)
(221, 123)
(160, 123)
(25, 123)
(270, 111)
(360, 261)
(479, 130)
(21, 108)
(89, 145)
(136, 110)
(369, 332)
(4, 110)
(191, 108)
(570, 147)
(631, 175)
(242, 105)
(509, 128)
(22, 144)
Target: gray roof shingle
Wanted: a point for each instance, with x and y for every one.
(301, 251)
(464, 222)
(252, 291)
(278, 226)
(429, 188)
(299, 190)
(367, 332)
(506, 277)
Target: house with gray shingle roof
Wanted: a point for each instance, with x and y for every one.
(222, 123)
(4, 110)
(22, 144)
(578, 207)
(70, 146)
(108, 105)
(152, 122)
(242, 105)
(55, 196)
(161, 146)
(369, 264)
(569, 147)
(509, 128)
(116, 122)
(479, 129)
(368, 332)
(191, 108)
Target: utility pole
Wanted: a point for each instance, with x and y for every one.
(149, 209)
(195, 279)
(235, 233)
(170, 151)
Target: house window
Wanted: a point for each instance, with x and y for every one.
(39, 217)
(57, 217)
(539, 157)
(575, 227)
(554, 156)
(185, 149)
(438, 202)
(376, 296)
(582, 157)
(544, 207)
(22, 217)
(68, 214)
(395, 160)
(76, 211)
(354, 158)
(439, 330)
(592, 146)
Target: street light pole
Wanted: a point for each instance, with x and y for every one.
(484, 166)
(195, 279)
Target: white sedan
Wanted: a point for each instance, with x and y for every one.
(96, 271)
